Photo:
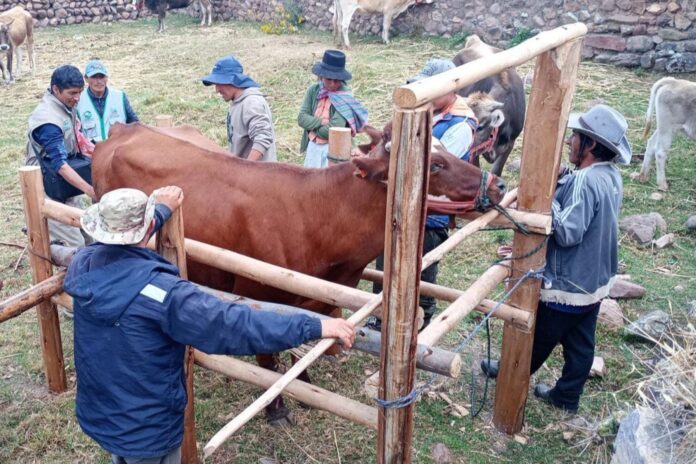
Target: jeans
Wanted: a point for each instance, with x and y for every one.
(172, 458)
(576, 334)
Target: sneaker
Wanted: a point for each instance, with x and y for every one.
(373, 323)
(543, 392)
(490, 368)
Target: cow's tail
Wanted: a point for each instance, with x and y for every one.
(651, 104)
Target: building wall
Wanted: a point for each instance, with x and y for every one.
(658, 35)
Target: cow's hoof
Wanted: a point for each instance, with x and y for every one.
(281, 417)
(662, 187)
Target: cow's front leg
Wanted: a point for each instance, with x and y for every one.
(277, 413)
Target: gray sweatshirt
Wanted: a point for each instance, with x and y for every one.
(250, 125)
(582, 253)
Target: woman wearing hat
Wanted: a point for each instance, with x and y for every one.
(328, 103)
(582, 252)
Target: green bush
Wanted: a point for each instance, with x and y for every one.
(287, 20)
(520, 36)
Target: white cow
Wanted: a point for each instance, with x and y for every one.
(674, 103)
(344, 10)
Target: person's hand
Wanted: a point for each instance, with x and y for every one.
(338, 328)
(504, 250)
(171, 196)
(91, 193)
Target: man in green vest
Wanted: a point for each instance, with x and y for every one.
(53, 145)
(101, 106)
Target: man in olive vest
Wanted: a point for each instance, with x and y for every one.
(101, 106)
(53, 143)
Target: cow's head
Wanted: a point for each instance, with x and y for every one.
(489, 113)
(450, 177)
(5, 43)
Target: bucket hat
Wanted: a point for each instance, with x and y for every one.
(332, 66)
(95, 67)
(607, 126)
(432, 67)
(122, 217)
(229, 71)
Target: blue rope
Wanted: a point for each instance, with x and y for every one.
(411, 397)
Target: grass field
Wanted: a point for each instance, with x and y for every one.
(160, 73)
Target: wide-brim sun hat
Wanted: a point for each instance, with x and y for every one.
(332, 66)
(433, 67)
(605, 125)
(229, 71)
(122, 217)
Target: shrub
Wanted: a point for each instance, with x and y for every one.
(287, 19)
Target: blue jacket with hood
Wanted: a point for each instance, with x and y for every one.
(133, 318)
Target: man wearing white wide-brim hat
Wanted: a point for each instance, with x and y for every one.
(134, 316)
(582, 252)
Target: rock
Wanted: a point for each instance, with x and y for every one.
(265, 460)
(441, 454)
(610, 314)
(607, 5)
(664, 241)
(568, 18)
(679, 288)
(672, 34)
(642, 227)
(639, 43)
(655, 9)
(599, 369)
(636, 441)
(690, 310)
(691, 222)
(681, 63)
(514, 166)
(664, 20)
(624, 4)
(628, 60)
(623, 290)
(681, 22)
(605, 42)
(656, 196)
(673, 7)
(649, 327)
(647, 61)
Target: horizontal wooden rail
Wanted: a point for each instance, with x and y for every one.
(426, 90)
(27, 299)
(535, 223)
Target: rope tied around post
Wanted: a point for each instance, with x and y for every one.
(413, 395)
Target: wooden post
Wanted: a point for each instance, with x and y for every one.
(164, 120)
(406, 195)
(23, 301)
(41, 269)
(170, 244)
(340, 144)
(547, 115)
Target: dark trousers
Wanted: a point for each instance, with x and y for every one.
(576, 334)
(433, 238)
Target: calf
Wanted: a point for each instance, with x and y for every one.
(673, 101)
(16, 28)
(344, 10)
(507, 88)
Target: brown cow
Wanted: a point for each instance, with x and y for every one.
(327, 223)
(16, 28)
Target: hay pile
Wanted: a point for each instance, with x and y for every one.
(670, 392)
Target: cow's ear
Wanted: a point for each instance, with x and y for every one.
(497, 118)
(374, 169)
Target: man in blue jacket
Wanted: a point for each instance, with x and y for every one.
(134, 316)
(582, 253)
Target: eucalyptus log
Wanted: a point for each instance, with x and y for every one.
(27, 299)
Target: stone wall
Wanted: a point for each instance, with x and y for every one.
(659, 35)
(59, 12)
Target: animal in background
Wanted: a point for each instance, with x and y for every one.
(161, 6)
(673, 102)
(16, 28)
(507, 88)
(389, 9)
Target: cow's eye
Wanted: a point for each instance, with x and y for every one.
(435, 167)
(387, 146)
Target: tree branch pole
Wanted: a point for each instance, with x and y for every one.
(41, 269)
(547, 115)
(23, 301)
